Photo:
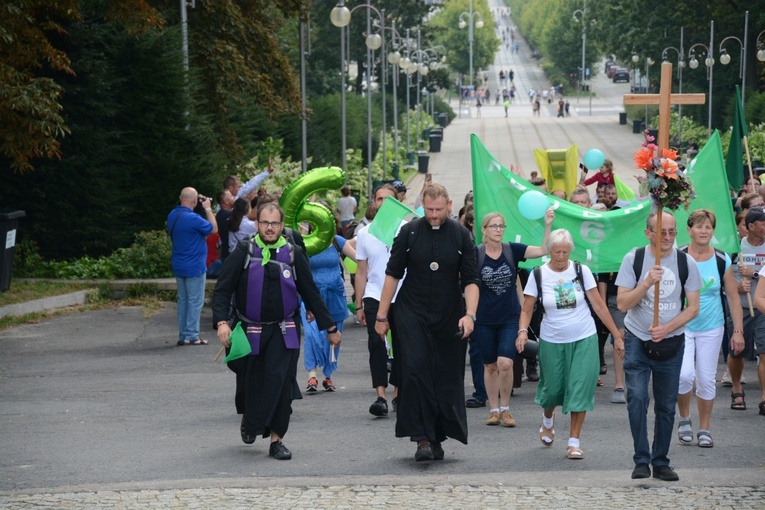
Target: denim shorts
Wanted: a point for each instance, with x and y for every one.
(496, 340)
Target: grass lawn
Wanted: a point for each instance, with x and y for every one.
(28, 290)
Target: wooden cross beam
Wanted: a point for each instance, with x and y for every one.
(664, 99)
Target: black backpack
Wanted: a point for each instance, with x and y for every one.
(507, 251)
(682, 268)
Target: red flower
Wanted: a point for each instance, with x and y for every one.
(669, 154)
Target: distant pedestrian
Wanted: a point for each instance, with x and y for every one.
(507, 105)
(536, 107)
(561, 107)
(568, 105)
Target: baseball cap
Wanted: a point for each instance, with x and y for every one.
(400, 186)
(754, 214)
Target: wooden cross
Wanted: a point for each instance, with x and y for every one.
(664, 99)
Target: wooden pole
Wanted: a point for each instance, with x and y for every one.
(220, 353)
(657, 255)
(751, 176)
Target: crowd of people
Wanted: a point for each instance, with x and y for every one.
(437, 291)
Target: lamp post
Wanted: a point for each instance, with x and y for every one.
(392, 58)
(648, 62)
(341, 17)
(583, 15)
(760, 47)
(725, 58)
(463, 22)
(680, 65)
(709, 61)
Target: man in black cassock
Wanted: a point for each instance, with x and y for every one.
(431, 323)
(267, 377)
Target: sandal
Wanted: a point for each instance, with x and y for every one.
(184, 342)
(685, 436)
(705, 439)
(762, 407)
(739, 406)
(199, 341)
(574, 452)
(547, 436)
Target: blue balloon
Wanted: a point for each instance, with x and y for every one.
(594, 159)
(420, 211)
(533, 205)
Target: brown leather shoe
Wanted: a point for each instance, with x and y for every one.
(507, 419)
(493, 418)
(424, 451)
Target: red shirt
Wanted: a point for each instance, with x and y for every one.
(212, 248)
(600, 178)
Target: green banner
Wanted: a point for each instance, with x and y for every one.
(601, 239)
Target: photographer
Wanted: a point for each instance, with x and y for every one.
(187, 233)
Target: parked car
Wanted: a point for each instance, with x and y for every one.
(609, 64)
(611, 70)
(622, 75)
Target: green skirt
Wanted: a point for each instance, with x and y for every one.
(568, 374)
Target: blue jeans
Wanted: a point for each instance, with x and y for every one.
(476, 370)
(638, 369)
(191, 297)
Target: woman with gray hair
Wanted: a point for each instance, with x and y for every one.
(568, 342)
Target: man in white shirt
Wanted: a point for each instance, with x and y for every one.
(372, 259)
(346, 206)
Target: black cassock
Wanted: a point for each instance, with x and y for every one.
(266, 383)
(431, 359)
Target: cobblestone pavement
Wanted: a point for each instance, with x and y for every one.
(422, 496)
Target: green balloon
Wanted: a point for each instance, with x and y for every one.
(297, 210)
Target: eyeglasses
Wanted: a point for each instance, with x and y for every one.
(496, 227)
(664, 233)
(272, 224)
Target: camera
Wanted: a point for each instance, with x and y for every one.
(201, 198)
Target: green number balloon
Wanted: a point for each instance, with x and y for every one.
(298, 210)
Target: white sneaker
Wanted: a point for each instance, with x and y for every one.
(725, 379)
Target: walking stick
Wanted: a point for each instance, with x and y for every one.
(657, 255)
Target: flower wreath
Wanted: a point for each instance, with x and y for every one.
(668, 184)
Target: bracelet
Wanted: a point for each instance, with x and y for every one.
(523, 330)
(221, 322)
(333, 331)
(382, 319)
(737, 331)
(359, 307)
(208, 209)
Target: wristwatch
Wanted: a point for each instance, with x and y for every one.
(755, 275)
(472, 316)
(332, 331)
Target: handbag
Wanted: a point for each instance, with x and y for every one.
(664, 350)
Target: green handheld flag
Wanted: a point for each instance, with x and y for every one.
(388, 220)
(240, 346)
(623, 191)
(734, 161)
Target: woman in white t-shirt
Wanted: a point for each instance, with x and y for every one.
(569, 362)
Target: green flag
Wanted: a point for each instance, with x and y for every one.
(623, 191)
(240, 346)
(601, 239)
(734, 161)
(707, 171)
(388, 220)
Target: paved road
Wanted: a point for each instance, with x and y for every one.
(101, 409)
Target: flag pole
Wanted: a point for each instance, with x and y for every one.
(748, 158)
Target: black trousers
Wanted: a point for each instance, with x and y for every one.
(378, 354)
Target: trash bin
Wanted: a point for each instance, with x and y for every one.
(394, 170)
(410, 157)
(426, 133)
(435, 142)
(9, 220)
(622, 118)
(637, 126)
(655, 134)
(443, 119)
(435, 117)
(422, 162)
(438, 130)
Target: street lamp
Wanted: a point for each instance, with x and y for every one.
(725, 58)
(340, 16)
(583, 15)
(709, 61)
(680, 65)
(760, 47)
(392, 58)
(648, 62)
(466, 20)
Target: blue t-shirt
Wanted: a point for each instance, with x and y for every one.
(188, 231)
(498, 301)
(710, 306)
